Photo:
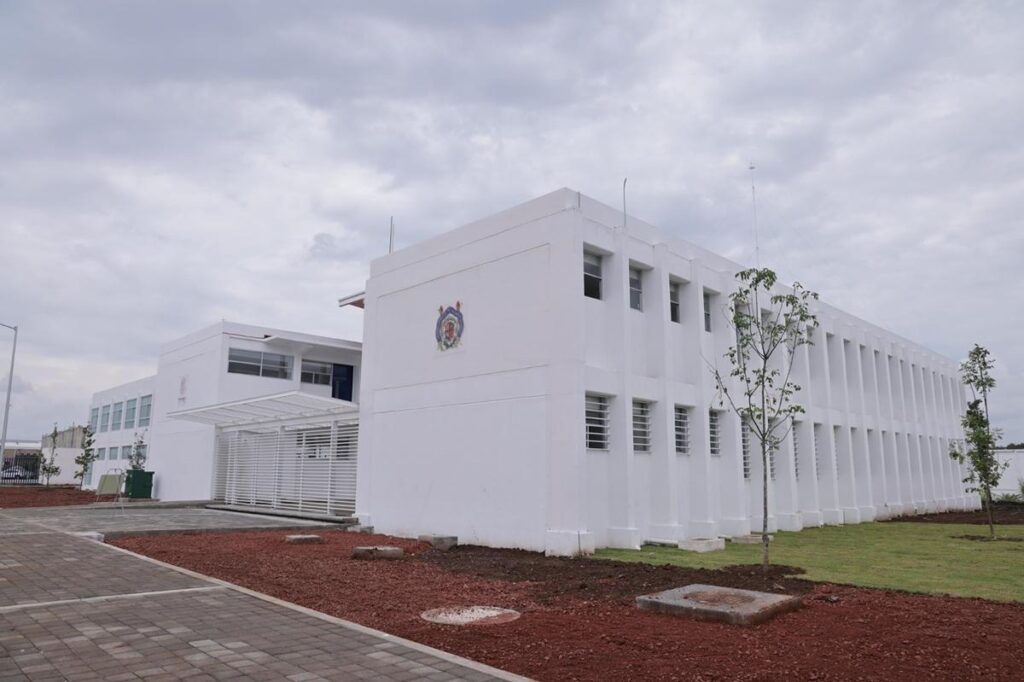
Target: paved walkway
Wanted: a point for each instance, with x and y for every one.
(75, 609)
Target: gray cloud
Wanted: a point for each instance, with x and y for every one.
(166, 166)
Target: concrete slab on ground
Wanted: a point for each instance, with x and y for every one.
(76, 609)
(726, 604)
(112, 521)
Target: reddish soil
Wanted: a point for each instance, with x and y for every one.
(1003, 513)
(41, 496)
(579, 621)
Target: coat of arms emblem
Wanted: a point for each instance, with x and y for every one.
(448, 331)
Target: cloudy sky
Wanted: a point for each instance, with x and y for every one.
(167, 165)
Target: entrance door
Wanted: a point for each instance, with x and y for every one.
(342, 377)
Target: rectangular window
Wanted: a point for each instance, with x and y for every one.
(244, 361)
(115, 419)
(641, 426)
(597, 422)
(129, 413)
(145, 408)
(714, 434)
(277, 366)
(101, 453)
(126, 452)
(682, 430)
(105, 418)
(771, 463)
(257, 363)
(745, 445)
(316, 373)
(94, 419)
(636, 289)
(707, 311)
(591, 275)
(673, 301)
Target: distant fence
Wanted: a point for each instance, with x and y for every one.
(20, 469)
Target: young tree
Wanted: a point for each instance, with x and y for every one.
(137, 460)
(983, 467)
(87, 456)
(48, 464)
(770, 327)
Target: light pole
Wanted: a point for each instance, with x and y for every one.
(10, 382)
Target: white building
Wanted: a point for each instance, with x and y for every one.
(238, 413)
(1012, 481)
(510, 403)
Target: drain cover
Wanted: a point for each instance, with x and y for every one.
(470, 615)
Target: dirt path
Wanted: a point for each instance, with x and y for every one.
(579, 622)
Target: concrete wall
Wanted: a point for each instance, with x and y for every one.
(1014, 474)
(486, 441)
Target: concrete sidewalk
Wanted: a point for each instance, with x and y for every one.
(75, 609)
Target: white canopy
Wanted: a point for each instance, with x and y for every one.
(270, 411)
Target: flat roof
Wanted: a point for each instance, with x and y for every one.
(268, 411)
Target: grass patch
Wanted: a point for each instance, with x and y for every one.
(917, 557)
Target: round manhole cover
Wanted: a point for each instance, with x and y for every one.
(470, 615)
(723, 598)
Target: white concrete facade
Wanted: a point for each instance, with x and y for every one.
(488, 440)
(1013, 476)
(200, 370)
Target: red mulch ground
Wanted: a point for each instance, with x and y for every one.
(41, 496)
(579, 622)
(1003, 513)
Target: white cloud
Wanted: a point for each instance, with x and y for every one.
(168, 166)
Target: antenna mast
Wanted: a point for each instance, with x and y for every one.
(753, 201)
(624, 203)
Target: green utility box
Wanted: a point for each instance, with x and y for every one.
(138, 485)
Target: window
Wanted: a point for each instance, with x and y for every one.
(145, 407)
(745, 444)
(115, 420)
(101, 453)
(707, 311)
(126, 452)
(641, 426)
(597, 422)
(257, 363)
(682, 430)
(94, 419)
(771, 463)
(591, 275)
(129, 413)
(143, 451)
(673, 301)
(636, 289)
(714, 434)
(316, 373)
(105, 418)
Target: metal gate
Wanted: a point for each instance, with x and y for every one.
(307, 468)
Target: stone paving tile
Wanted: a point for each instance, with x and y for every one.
(44, 567)
(215, 635)
(107, 520)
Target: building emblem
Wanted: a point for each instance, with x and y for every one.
(448, 331)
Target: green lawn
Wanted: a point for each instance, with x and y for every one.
(917, 557)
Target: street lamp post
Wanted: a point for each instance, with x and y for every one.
(10, 383)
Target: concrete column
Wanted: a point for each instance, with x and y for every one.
(828, 491)
(701, 486)
(664, 470)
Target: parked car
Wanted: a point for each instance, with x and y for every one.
(16, 473)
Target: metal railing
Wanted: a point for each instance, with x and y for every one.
(309, 468)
